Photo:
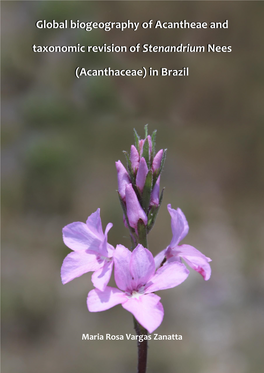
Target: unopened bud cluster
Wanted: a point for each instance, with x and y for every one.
(139, 184)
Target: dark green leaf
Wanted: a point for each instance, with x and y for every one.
(147, 191)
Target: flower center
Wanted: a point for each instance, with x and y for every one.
(104, 258)
(137, 293)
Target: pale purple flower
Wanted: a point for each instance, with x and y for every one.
(134, 158)
(133, 208)
(141, 174)
(137, 279)
(91, 252)
(157, 161)
(140, 144)
(123, 179)
(193, 257)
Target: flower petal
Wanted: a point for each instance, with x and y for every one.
(94, 224)
(147, 310)
(134, 210)
(195, 259)
(101, 277)
(179, 225)
(122, 258)
(122, 178)
(98, 301)
(105, 249)
(142, 174)
(168, 276)
(142, 266)
(159, 258)
(76, 264)
(134, 158)
(77, 236)
(157, 160)
(141, 144)
(80, 236)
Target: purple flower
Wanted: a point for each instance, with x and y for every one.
(134, 158)
(193, 257)
(137, 279)
(123, 179)
(157, 161)
(141, 174)
(91, 252)
(134, 210)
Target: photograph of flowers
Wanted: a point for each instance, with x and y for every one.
(132, 186)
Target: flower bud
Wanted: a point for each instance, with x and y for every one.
(134, 210)
(134, 158)
(157, 161)
(141, 174)
(123, 179)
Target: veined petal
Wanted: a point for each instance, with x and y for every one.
(142, 266)
(122, 178)
(195, 259)
(157, 160)
(179, 225)
(141, 174)
(134, 158)
(134, 210)
(94, 224)
(76, 264)
(168, 276)
(101, 277)
(147, 310)
(77, 236)
(98, 301)
(123, 277)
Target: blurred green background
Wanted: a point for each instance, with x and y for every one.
(60, 139)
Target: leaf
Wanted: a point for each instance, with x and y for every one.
(146, 130)
(146, 194)
(145, 152)
(137, 138)
(153, 141)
